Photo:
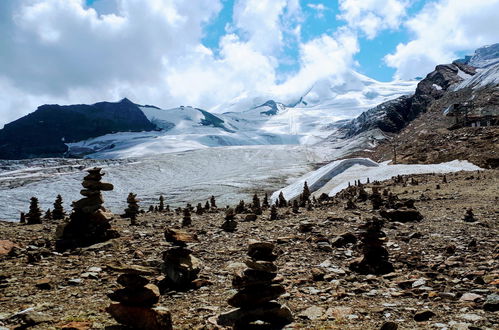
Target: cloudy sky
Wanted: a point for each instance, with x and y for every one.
(206, 52)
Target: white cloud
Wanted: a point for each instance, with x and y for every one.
(441, 30)
(319, 9)
(373, 16)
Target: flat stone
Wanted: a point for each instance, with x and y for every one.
(312, 313)
(263, 266)
(44, 283)
(261, 251)
(133, 281)
(146, 296)
(132, 269)
(180, 237)
(141, 318)
(471, 317)
(255, 296)
(270, 312)
(470, 297)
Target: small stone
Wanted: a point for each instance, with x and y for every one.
(263, 266)
(423, 316)
(250, 217)
(418, 283)
(317, 274)
(132, 281)
(389, 325)
(255, 296)
(471, 317)
(270, 312)
(32, 318)
(470, 297)
(312, 313)
(75, 281)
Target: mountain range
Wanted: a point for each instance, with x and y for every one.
(329, 110)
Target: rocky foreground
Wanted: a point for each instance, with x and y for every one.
(445, 265)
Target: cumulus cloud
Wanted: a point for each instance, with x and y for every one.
(373, 16)
(441, 30)
(319, 9)
(62, 51)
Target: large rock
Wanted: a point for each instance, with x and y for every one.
(401, 215)
(141, 318)
(253, 296)
(145, 296)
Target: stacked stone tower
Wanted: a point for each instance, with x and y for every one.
(257, 289)
(135, 304)
(58, 212)
(34, 215)
(375, 256)
(89, 222)
(133, 208)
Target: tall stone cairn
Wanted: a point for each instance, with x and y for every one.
(134, 304)
(273, 213)
(133, 208)
(181, 268)
(256, 207)
(161, 206)
(34, 215)
(199, 209)
(22, 218)
(58, 212)
(89, 223)
(257, 290)
(375, 256)
(305, 195)
(265, 202)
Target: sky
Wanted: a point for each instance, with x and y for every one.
(207, 52)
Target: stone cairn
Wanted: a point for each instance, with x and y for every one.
(256, 206)
(58, 212)
(89, 223)
(265, 202)
(133, 208)
(305, 195)
(134, 304)
(186, 218)
(273, 213)
(161, 206)
(469, 216)
(375, 256)
(48, 215)
(213, 202)
(199, 209)
(22, 218)
(296, 206)
(230, 224)
(34, 215)
(281, 201)
(257, 289)
(180, 266)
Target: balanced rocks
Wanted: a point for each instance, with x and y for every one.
(257, 290)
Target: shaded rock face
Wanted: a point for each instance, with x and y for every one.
(393, 115)
(43, 133)
(257, 288)
(89, 222)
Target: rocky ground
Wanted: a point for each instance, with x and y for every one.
(446, 269)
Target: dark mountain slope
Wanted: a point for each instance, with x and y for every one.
(44, 132)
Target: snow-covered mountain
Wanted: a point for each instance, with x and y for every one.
(270, 119)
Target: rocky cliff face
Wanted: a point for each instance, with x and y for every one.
(394, 115)
(44, 132)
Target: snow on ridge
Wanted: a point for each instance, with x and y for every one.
(334, 177)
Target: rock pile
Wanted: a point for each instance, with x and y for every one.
(273, 213)
(469, 216)
(133, 208)
(180, 266)
(375, 256)
(186, 219)
(34, 215)
(257, 289)
(58, 212)
(89, 222)
(135, 304)
(230, 224)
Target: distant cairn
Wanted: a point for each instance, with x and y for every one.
(58, 212)
(89, 223)
(34, 216)
(230, 224)
(133, 209)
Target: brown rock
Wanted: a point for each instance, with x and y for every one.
(270, 312)
(6, 247)
(145, 296)
(263, 266)
(133, 281)
(141, 318)
(180, 237)
(256, 295)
